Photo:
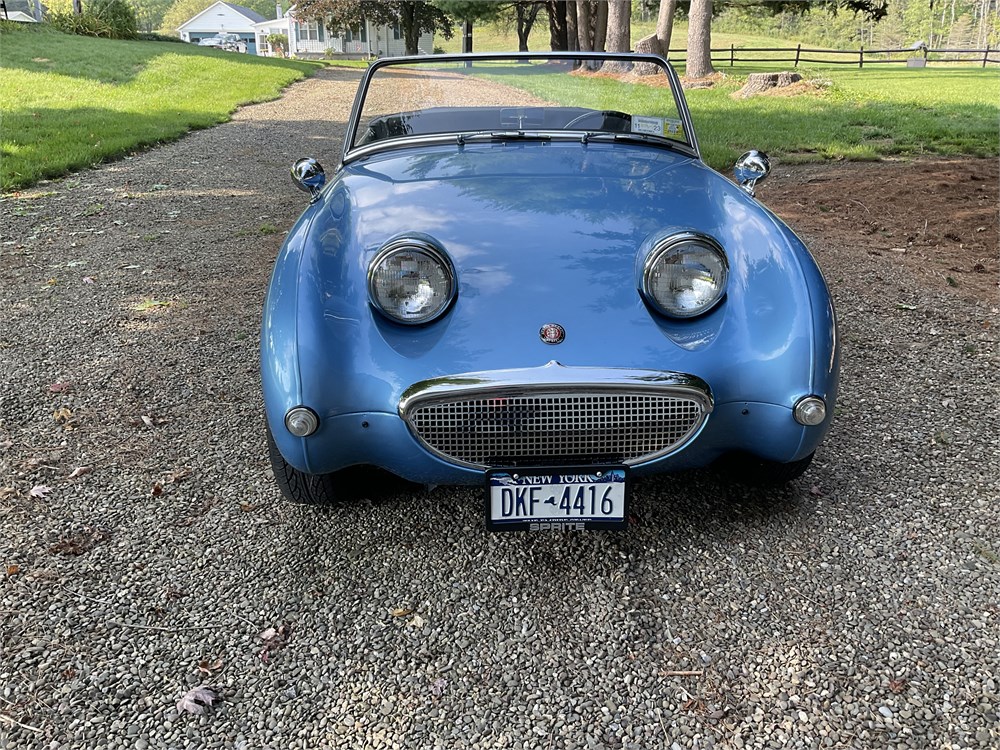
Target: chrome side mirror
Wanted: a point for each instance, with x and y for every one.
(308, 174)
(751, 168)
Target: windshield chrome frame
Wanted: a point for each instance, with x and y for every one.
(352, 153)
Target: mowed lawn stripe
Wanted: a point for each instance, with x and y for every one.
(69, 102)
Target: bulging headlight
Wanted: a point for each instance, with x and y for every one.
(411, 281)
(685, 275)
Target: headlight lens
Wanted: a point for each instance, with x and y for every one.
(685, 275)
(411, 281)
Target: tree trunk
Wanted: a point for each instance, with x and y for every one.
(557, 25)
(699, 52)
(526, 15)
(619, 37)
(600, 26)
(77, 7)
(411, 32)
(665, 25)
(572, 35)
(585, 42)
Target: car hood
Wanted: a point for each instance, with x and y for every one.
(549, 233)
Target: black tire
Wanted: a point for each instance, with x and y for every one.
(297, 486)
(758, 472)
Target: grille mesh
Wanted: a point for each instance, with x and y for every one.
(573, 428)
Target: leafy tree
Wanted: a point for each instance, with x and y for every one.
(149, 13)
(468, 12)
(523, 16)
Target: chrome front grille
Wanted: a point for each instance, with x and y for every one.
(568, 424)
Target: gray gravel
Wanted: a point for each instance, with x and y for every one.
(857, 608)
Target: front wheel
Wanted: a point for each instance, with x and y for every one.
(295, 485)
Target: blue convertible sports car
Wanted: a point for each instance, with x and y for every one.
(523, 276)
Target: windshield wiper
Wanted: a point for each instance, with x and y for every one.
(502, 135)
(659, 140)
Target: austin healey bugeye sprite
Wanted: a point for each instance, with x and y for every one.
(523, 276)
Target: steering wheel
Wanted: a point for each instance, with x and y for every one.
(604, 114)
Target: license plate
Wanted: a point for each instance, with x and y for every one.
(557, 499)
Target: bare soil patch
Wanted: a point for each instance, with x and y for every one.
(936, 219)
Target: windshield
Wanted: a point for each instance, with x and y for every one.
(519, 96)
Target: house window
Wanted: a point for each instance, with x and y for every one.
(397, 32)
(310, 31)
(360, 36)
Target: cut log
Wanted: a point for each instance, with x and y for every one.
(648, 45)
(758, 83)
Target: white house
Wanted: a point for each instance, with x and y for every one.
(312, 39)
(223, 17)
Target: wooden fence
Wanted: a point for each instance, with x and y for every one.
(860, 57)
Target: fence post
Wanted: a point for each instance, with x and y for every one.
(986, 55)
(798, 49)
(861, 57)
(924, 49)
(732, 55)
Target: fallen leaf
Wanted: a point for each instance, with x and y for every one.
(13, 570)
(401, 612)
(197, 700)
(147, 420)
(178, 475)
(274, 639)
(79, 471)
(39, 490)
(79, 542)
(815, 490)
(63, 416)
(60, 387)
(157, 489)
(416, 622)
(438, 686)
(897, 686)
(248, 507)
(88, 279)
(207, 667)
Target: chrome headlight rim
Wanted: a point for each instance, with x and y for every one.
(401, 244)
(669, 244)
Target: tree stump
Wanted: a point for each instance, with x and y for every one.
(648, 45)
(758, 83)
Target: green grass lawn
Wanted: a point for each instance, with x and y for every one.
(867, 113)
(861, 114)
(70, 101)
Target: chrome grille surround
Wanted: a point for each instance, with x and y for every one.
(556, 415)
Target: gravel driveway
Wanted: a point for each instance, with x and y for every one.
(145, 549)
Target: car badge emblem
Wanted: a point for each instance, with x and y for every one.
(552, 333)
